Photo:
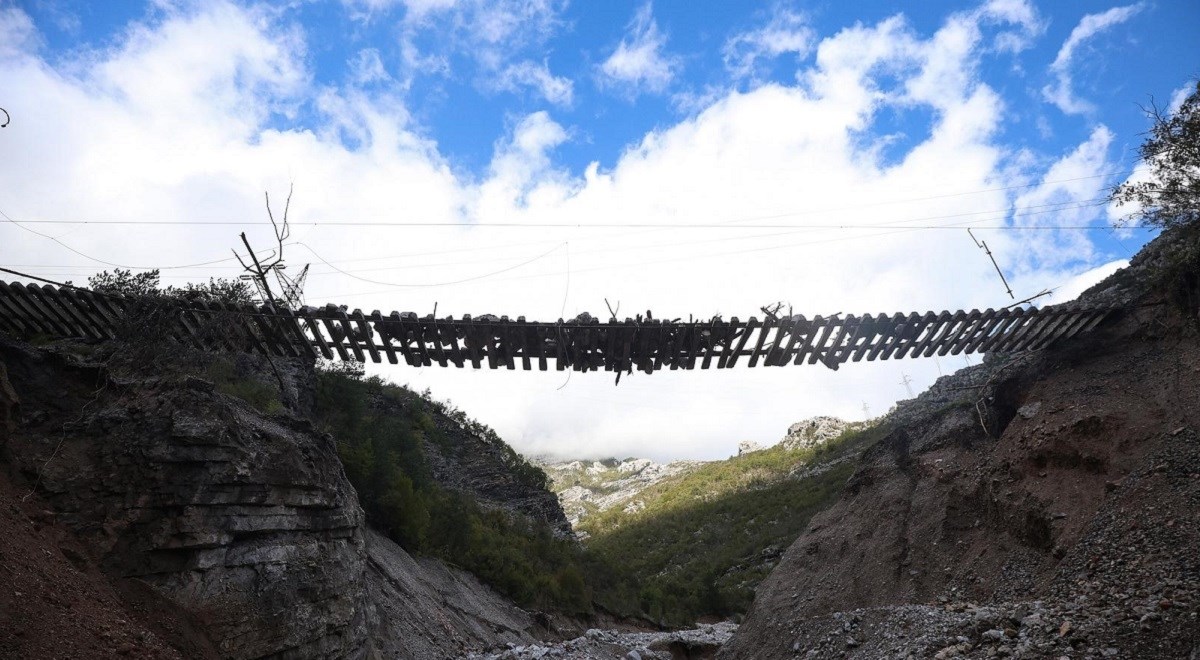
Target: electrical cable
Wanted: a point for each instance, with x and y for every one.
(459, 224)
(102, 261)
(434, 284)
(800, 229)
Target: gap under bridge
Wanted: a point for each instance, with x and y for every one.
(582, 344)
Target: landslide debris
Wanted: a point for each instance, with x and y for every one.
(1039, 505)
(697, 643)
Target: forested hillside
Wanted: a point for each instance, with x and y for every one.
(388, 438)
(696, 544)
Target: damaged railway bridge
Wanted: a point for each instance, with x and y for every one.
(582, 344)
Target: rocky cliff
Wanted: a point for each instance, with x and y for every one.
(816, 431)
(588, 487)
(242, 522)
(1038, 506)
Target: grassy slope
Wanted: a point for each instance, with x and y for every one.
(697, 548)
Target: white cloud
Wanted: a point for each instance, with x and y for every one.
(187, 119)
(1124, 217)
(17, 33)
(1074, 188)
(786, 32)
(1020, 14)
(1071, 289)
(414, 9)
(496, 35)
(415, 63)
(1061, 92)
(367, 67)
(521, 168)
(418, 9)
(639, 62)
(555, 89)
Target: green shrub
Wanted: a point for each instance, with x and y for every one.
(384, 458)
(224, 376)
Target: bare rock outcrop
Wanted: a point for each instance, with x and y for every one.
(243, 522)
(816, 431)
(589, 486)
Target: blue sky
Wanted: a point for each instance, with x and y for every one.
(456, 103)
(839, 149)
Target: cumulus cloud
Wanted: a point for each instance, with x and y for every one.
(1061, 92)
(786, 32)
(521, 167)
(191, 116)
(640, 62)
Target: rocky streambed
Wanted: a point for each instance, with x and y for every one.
(702, 641)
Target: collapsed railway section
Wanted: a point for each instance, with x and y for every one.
(581, 344)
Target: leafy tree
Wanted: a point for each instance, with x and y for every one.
(383, 451)
(152, 317)
(1171, 197)
(121, 282)
(218, 289)
(125, 283)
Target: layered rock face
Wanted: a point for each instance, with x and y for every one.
(244, 521)
(1038, 506)
(248, 523)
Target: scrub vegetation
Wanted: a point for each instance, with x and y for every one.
(385, 459)
(697, 544)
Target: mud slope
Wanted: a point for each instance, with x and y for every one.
(1041, 506)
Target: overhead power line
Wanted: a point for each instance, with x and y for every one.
(728, 224)
(536, 225)
(432, 284)
(102, 261)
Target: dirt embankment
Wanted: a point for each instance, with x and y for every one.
(1043, 506)
(56, 603)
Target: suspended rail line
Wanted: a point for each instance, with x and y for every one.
(581, 344)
